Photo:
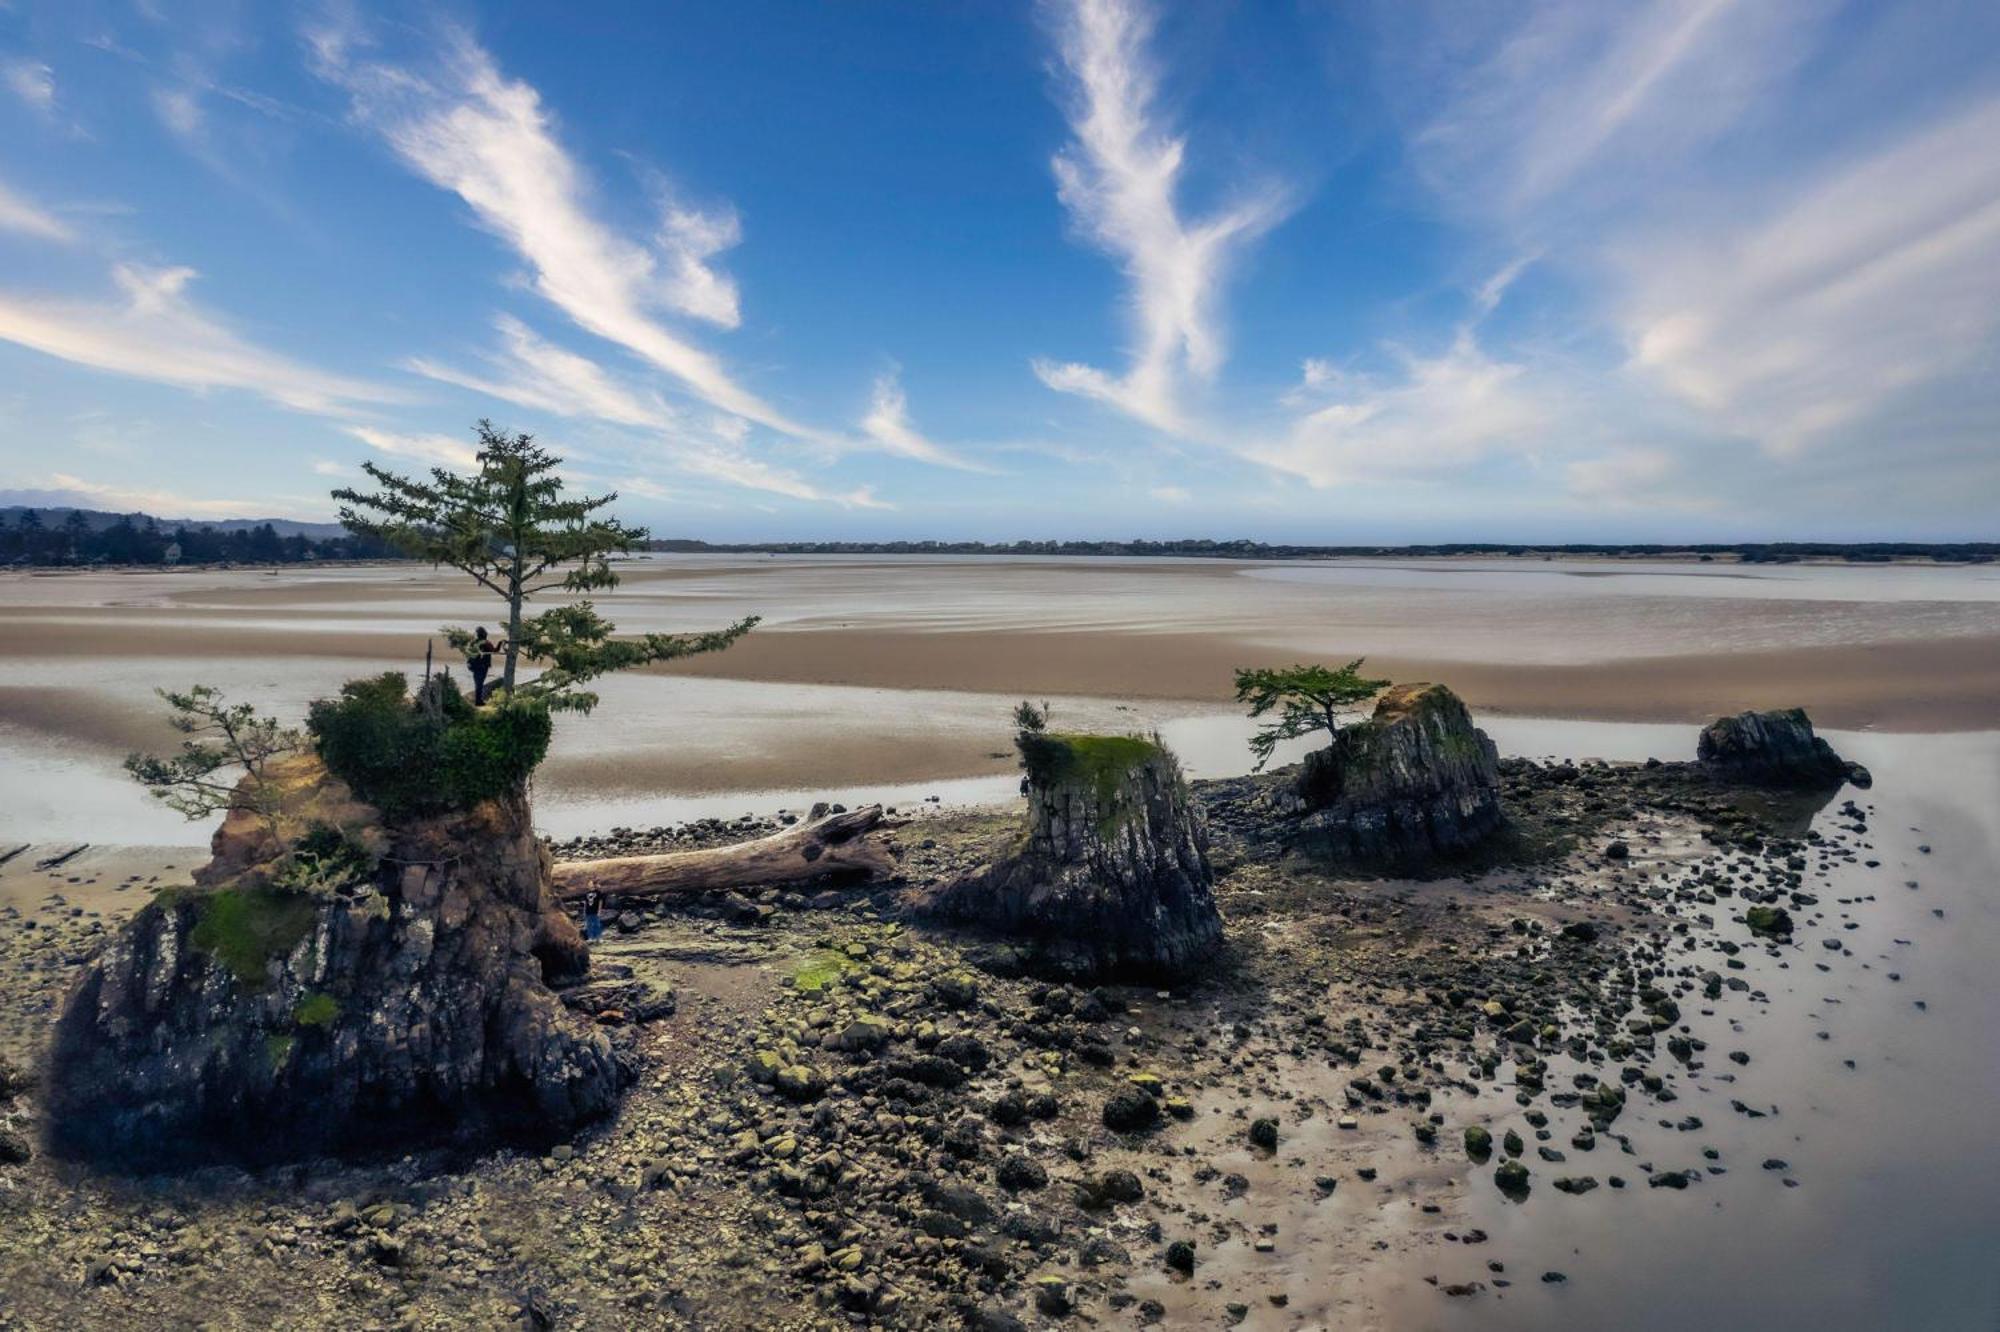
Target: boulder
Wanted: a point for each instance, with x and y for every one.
(1416, 781)
(343, 985)
(1112, 877)
(1776, 748)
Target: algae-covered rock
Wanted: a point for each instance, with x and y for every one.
(1112, 876)
(336, 983)
(1415, 781)
(1776, 748)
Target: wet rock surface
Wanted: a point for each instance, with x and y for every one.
(266, 1013)
(1112, 878)
(1776, 748)
(1415, 782)
(842, 1120)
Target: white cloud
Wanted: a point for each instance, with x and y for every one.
(326, 467)
(1439, 413)
(441, 450)
(888, 424)
(1119, 180)
(1171, 494)
(467, 128)
(156, 333)
(1878, 275)
(688, 239)
(159, 503)
(1575, 94)
(178, 110)
(538, 374)
(720, 462)
(17, 214)
(1624, 477)
(31, 81)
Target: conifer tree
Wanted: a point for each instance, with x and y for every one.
(512, 528)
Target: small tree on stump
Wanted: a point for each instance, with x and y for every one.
(511, 527)
(1306, 699)
(225, 739)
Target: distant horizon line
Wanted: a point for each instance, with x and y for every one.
(1153, 545)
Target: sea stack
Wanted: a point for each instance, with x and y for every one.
(1414, 782)
(1112, 876)
(344, 983)
(1776, 748)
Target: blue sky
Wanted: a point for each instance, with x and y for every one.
(1353, 271)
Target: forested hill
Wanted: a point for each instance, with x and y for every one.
(54, 537)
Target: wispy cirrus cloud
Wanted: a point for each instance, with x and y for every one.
(888, 424)
(1120, 179)
(19, 215)
(1780, 262)
(1432, 414)
(62, 489)
(32, 81)
(721, 461)
(1871, 277)
(688, 239)
(463, 125)
(155, 331)
(439, 450)
(531, 372)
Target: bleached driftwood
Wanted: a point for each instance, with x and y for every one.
(836, 845)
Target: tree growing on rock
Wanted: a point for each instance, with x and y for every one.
(224, 763)
(512, 528)
(1306, 699)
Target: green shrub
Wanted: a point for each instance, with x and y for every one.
(429, 754)
(323, 862)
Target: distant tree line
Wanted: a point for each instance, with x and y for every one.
(26, 539)
(1752, 552)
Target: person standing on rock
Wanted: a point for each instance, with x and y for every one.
(593, 916)
(479, 660)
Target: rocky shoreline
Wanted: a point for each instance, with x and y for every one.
(845, 1116)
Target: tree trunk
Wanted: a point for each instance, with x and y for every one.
(836, 845)
(513, 624)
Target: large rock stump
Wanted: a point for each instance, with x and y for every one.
(1414, 782)
(348, 985)
(1112, 876)
(1776, 748)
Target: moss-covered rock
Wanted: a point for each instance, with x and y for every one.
(1112, 875)
(1415, 781)
(243, 1019)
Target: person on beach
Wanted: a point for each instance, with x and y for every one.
(593, 916)
(479, 661)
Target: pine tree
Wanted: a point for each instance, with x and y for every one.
(512, 528)
(1307, 698)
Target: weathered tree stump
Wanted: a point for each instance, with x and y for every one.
(1414, 782)
(349, 985)
(1111, 876)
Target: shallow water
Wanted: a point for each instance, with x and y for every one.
(1894, 1215)
(670, 746)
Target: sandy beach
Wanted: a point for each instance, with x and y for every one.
(878, 670)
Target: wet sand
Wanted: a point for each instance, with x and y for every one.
(871, 673)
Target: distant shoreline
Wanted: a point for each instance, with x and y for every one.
(1749, 552)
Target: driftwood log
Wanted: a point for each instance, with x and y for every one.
(836, 845)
